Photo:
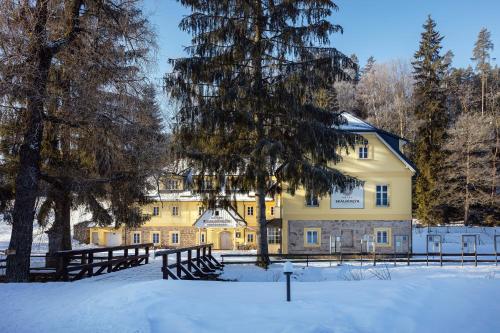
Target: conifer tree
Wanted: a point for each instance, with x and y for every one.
(481, 56)
(430, 110)
(246, 94)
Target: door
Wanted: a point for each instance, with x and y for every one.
(347, 238)
(226, 241)
(401, 244)
(95, 238)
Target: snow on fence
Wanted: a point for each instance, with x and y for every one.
(201, 266)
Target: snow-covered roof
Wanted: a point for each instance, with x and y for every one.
(355, 124)
(190, 196)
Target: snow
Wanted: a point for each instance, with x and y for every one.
(325, 298)
(416, 299)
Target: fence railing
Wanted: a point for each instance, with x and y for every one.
(366, 257)
(76, 264)
(193, 267)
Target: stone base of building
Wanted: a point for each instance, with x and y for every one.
(350, 236)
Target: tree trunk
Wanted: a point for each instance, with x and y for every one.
(467, 182)
(60, 232)
(39, 58)
(263, 258)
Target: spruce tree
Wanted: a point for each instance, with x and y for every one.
(481, 56)
(430, 110)
(246, 95)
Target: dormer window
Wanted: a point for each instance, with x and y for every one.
(172, 184)
(363, 152)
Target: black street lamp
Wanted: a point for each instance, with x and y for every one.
(288, 270)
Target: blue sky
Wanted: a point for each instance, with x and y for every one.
(386, 29)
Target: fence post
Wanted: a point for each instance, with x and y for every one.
(374, 258)
(475, 258)
(136, 261)
(110, 265)
(408, 258)
(189, 260)
(165, 266)
(307, 260)
(91, 261)
(63, 268)
(178, 264)
(441, 256)
(125, 257)
(147, 255)
(198, 261)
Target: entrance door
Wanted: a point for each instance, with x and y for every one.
(226, 241)
(347, 238)
(95, 238)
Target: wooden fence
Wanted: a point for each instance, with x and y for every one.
(367, 258)
(200, 266)
(76, 264)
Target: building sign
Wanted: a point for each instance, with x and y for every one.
(348, 199)
(219, 218)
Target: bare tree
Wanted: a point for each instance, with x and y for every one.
(35, 37)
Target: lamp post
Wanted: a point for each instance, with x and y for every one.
(288, 270)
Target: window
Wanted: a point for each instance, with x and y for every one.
(382, 196)
(207, 185)
(174, 238)
(136, 238)
(250, 211)
(238, 234)
(175, 211)
(200, 211)
(172, 184)
(273, 235)
(312, 237)
(155, 237)
(202, 237)
(272, 210)
(156, 211)
(216, 213)
(250, 238)
(311, 199)
(382, 237)
(363, 152)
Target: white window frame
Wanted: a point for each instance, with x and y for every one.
(312, 200)
(273, 235)
(272, 210)
(175, 210)
(203, 237)
(363, 152)
(172, 184)
(153, 237)
(252, 236)
(156, 211)
(134, 234)
(178, 238)
(314, 236)
(250, 210)
(382, 192)
(380, 237)
(200, 210)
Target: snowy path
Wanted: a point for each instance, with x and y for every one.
(417, 299)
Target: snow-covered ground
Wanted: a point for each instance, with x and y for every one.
(324, 299)
(346, 298)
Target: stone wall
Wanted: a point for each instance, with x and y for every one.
(81, 232)
(338, 228)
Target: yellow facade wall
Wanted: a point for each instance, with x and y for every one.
(382, 167)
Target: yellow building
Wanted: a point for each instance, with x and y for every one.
(374, 216)
(179, 219)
